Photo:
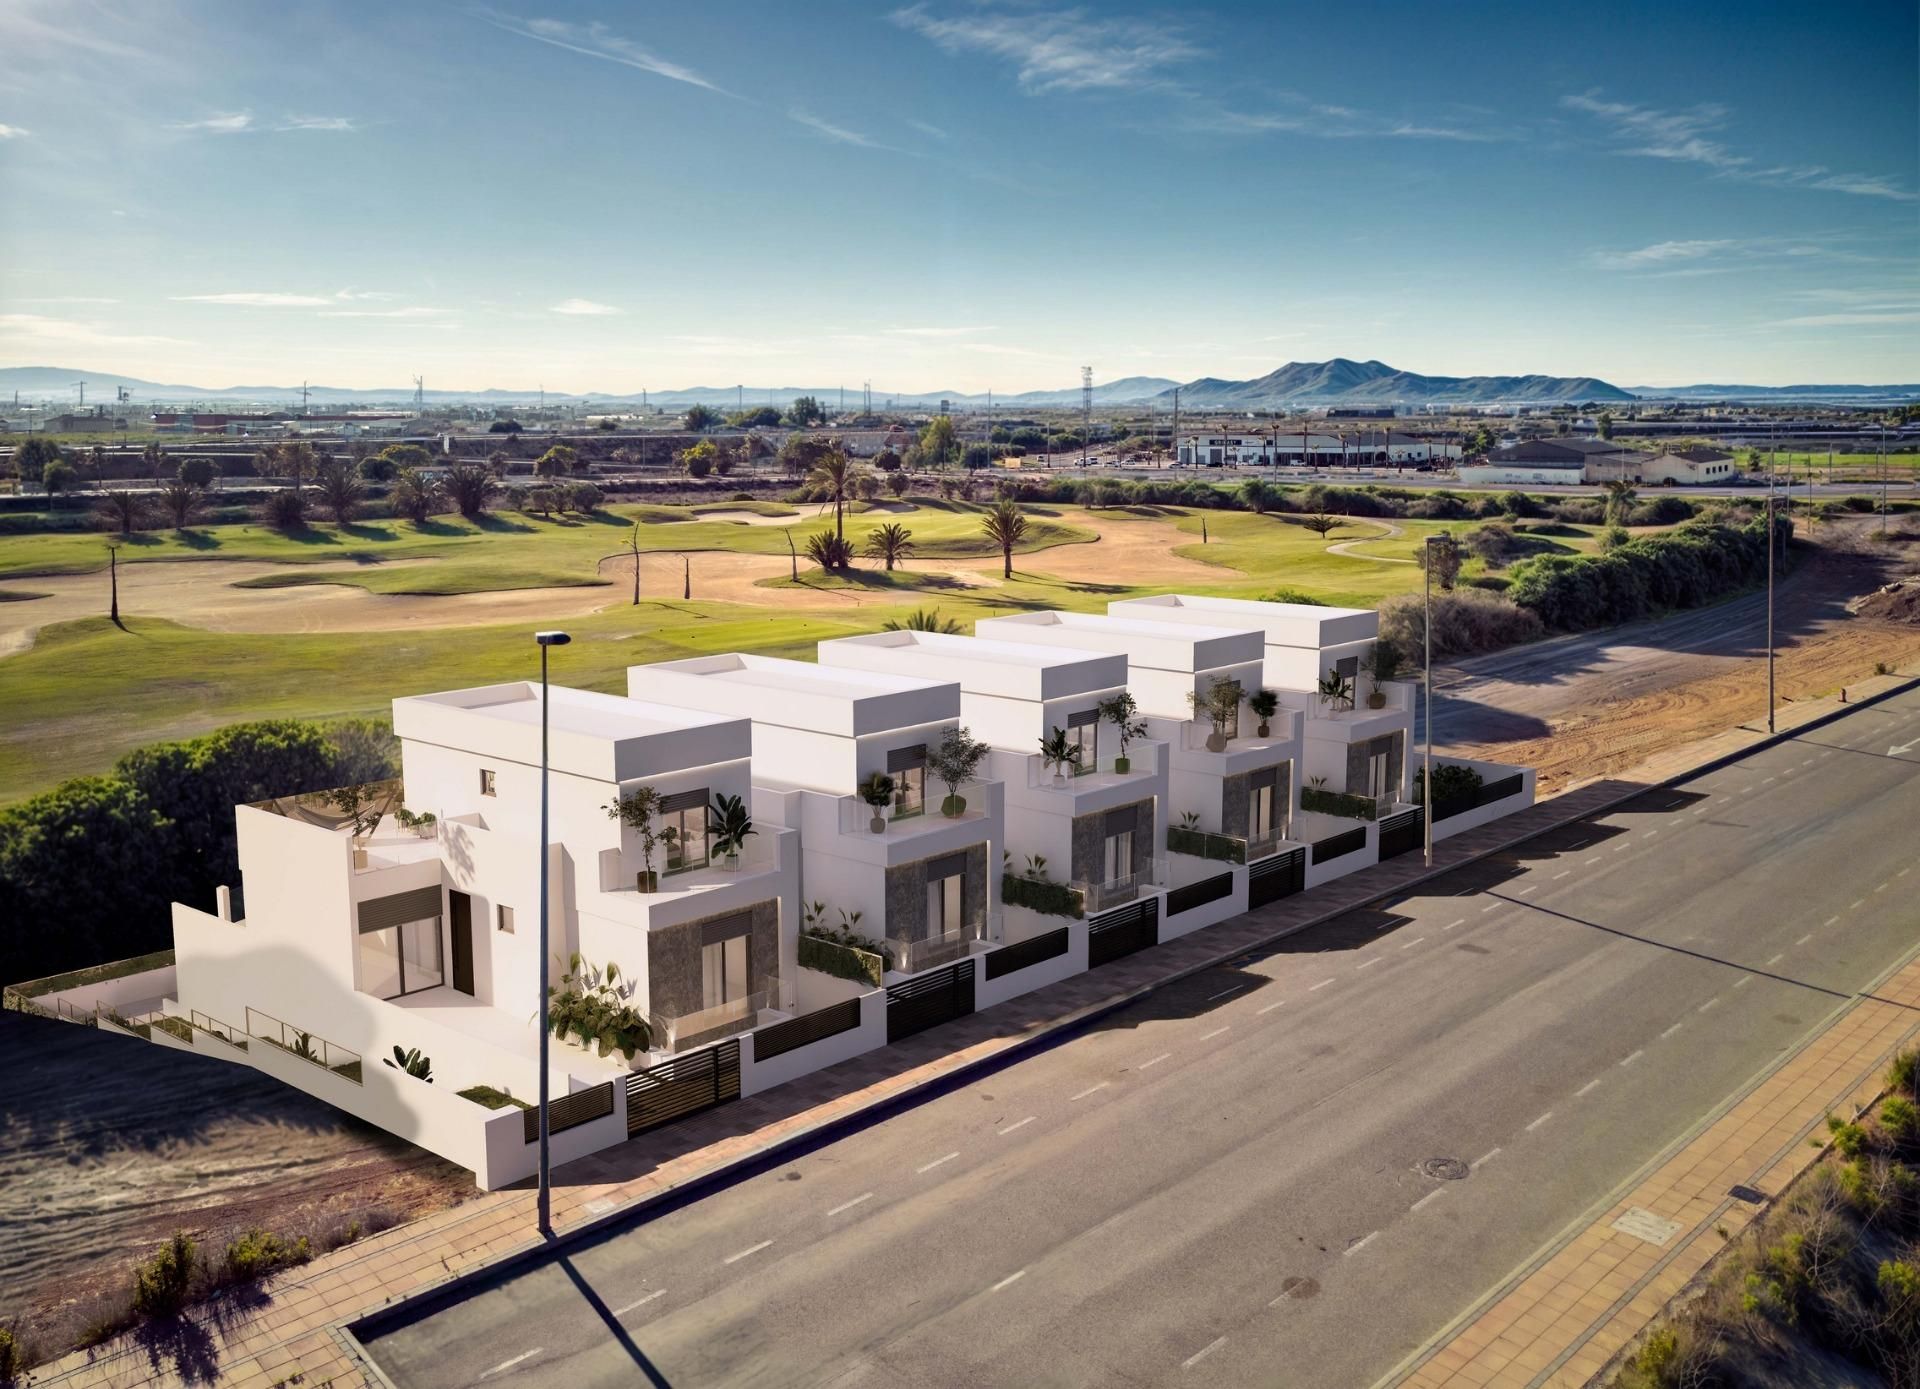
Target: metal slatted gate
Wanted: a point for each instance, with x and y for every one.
(685, 1085)
(929, 1000)
(1122, 931)
(1282, 875)
(1185, 899)
(1401, 833)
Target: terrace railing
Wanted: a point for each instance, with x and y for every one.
(672, 1031)
(329, 1056)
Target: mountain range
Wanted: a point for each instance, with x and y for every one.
(1340, 381)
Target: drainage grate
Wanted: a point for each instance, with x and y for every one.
(1747, 1194)
(1444, 1169)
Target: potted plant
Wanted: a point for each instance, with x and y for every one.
(729, 823)
(877, 791)
(1336, 690)
(1383, 664)
(586, 1009)
(1059, 752)
(1220, 705)
(1264, 704)
(421, 824)
(636, 810)
(955, 762)
(362, 806)
(1123, 712)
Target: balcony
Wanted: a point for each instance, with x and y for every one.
(1117, 892)
(1346, 805)
(856, 816)
(930, 952)
(1224, 848)
(1397, 709)
(674, 1033)
(1141, 762)
(1282, 728)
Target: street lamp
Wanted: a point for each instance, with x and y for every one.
(1426, 684)
(544, 1202)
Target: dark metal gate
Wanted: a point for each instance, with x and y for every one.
(1186, 899)
(1282, 875)
(1122, 931)
(929, 1000)
(685, 1085)
(1401, 833)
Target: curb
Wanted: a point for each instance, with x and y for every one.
(448, 1290)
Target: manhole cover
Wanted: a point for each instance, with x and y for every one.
(1747, 1194)
(1444, 1169)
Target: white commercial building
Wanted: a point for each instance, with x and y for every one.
(1358, 448)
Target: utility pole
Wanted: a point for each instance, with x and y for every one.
(1175, 440)
(1426, 685)
(1769, 603)
(113, 578)
(1086, 413)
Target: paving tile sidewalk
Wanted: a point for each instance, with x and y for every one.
(1561, 1323)
(294, 1327)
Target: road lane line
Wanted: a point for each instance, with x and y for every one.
(1671, 1030)
(509, 1364)
(1829, 921)
(849, 1205)
(1008, 1281)
(1629, 1060)
(1202, 1353)
(1089, 1090)
(1490, 907)
(1451, 924)
(1857, 905)
(1590, 862)
(1155, 1062)
(1021, 1125)
(935, 1163)
(1903, 872)
(1565, 874)
(1224, 992)
(1884, 886)
(1271, 1006)
(1367, 964)
(1621, 848)
(1321, 985)
(1778, 958)
(1487, 1156)
(736, 1258)
(1437, 1191)
(1747, 979)
(1357, 1246)
(1216, 1032)
(1541, 1120)
(1415, 941)
(1804, 939)
(1712, 1002)
(657, 1292)
(1588, 1088)
(1525, 890)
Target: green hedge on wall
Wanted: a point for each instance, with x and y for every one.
(841, 961)
(1200, 844)
(1036, 894)
(1338, 803)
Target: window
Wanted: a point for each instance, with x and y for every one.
(486, 781)
(399, 943)
(908, 768)
(1119, 856)
(1379, 762)
(1083, 731)
(946, 898)
(723, 971)
(503, 914)
(1262, 803)
(683, 829)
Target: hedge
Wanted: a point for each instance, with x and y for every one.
(841, 961)
(1338, 803)
(1037, 894)
(1686, 568)
(1200, 844)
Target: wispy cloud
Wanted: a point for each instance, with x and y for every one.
(1661, 253)
(1690, 137)
(837, 133)
(27, 327)
(245, 123)
(933, 131)
(936, 332)
(13, 132)
(1060, 50)
(256, 299)
(68, 299)
(220, 123)
(596, 40)
(1852, 318)
(341, 123)
(587, 307)
(1198, 114)
(416, 311)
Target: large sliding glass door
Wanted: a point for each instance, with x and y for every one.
(401, 945)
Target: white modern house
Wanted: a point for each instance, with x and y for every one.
(1232, 788)
(1093, 823)
(850, 759)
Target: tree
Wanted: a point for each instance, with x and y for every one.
(97, 464)
(198, 472)
(1006, 527)
(1441, 557)
(977, 456)
(31, 458)
(582, 497)
(939, 446)
(1603, 424)
(805, 411)
(399, 456)
(557, 462)
(698, 461)
(897, 483)
(340, 488)
(700, 419)
(57, 477)
(154, 459)
(803, 452)
(923, 620)
(1320, 524)
(540, 499)
(180, 501)
(285, 510)
(1257, 496)
(471, 488)
(834, 472)
(1621, 496)
(830, 552)
(122, 511)
(498, 462)
(505, 427)
(415, 496)
(891, 543)
(378, 468)
(295, 460)
(760, 417)
(886, 461)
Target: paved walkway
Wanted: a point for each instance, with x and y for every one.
(292, 1327)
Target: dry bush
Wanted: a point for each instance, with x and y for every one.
(1466, 622)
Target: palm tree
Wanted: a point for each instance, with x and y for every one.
(123, 510)
(1621, 495)
(97, 464)
(834, 471)
(1006, 527)
(924, 620)
(415, 497)
(471, 487)
(180, 499)
(892, 542)
(340, 488)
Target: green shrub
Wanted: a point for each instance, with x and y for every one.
(1338, 803)
(1902, 1119)
(1200, 844)
(841, 961)
(12, 1359)
(1451, 782)
(1904, 1074)
(161, 1285)
(260, 1252)
(1849, 1138)
(1657, 1354)
(1037, 894)
(1292, 595)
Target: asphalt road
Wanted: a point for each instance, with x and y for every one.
(1222, 1183)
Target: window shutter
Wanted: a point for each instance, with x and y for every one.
(1083, 718)
(1265, 776)
(683, 800)
(946, 866)
(906, 759)
(726, 928)
(1122, 821)
(378, 913)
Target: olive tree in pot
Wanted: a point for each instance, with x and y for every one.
(729, 823)
(1123, 712)
(1264, 703)
(636, 810)
(877, 791)
(1383, 664)
(955, 762)
(1059, 752)
(1219, 706)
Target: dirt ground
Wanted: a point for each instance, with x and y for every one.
(108, 1145)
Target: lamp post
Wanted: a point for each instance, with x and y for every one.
(544, 1201)
(113, 578)
(1426, 690)
(1769, 602)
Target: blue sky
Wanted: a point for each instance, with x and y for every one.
(955, 194)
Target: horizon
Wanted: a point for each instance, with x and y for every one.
(955, 197)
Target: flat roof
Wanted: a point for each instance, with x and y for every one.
(798, 694)
(1173, 646)
(1012, 669)
(1284, 624)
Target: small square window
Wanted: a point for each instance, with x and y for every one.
(486, 781)
(504, 914)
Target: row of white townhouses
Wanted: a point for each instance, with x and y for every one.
(938, 823)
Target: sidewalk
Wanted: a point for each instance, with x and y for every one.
(293, 1327)
(1562, 1322)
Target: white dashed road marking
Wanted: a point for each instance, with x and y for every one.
(1588, 1088)
(1451, 924)
(845, 1206)
(622, 1311)
(1155, 1062)
(1358, 1245)
(1021, 1125)
(1629, 1060)
(1321, 985)
(1747, 979)
(1710, 1003)
(935, 1163)
(1202, 1353)
(1487, 1156)
(1558, 876)
(1541, 1120)
(1415, 941)
(1804, 939)
(1224, 992)
(1366, 964)
(736, 1258)
(1271, 1006)
(509, 1364)
(1008, 1281)
(1671, 1030)
(1216, 1032)
(1089, 1090)
(1437, 1191)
